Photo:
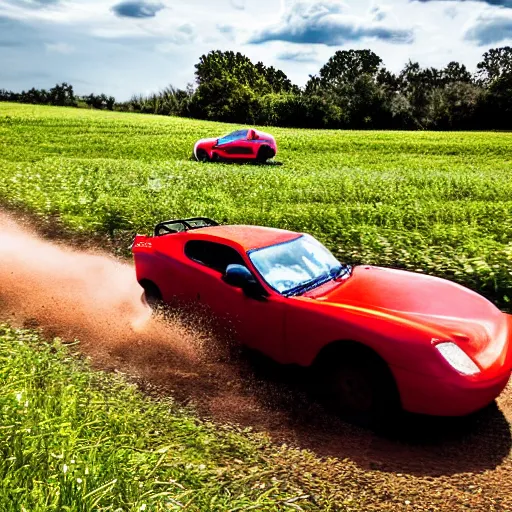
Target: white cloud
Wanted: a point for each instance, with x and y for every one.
(228, 31)
(491, 28)
(299, 55)
(238, 4)
(183, 35)
(332, 23)
(63, 48)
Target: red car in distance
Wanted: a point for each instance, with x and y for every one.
(240, 145)
(377, 339)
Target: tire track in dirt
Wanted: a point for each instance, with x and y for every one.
(434, 464)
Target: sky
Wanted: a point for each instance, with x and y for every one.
(126, 47)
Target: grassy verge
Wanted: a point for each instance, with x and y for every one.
(73, 439)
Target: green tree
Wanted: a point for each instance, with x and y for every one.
(496, 104)
(455, 72)
(277, 80)
(229, 86)
(347, 65)
(495, 74)
(455, 106)
(218, 65)
(349, 80)
(62, 95)
(225, 100)
(495, 64)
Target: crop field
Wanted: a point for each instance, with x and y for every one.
(434, 202)
(438, 203)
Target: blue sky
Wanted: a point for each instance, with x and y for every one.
(138, 46)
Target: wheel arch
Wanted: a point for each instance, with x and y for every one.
(150, 286)
(328, 353)
(151, 296)
(344, 345)
(267, 150)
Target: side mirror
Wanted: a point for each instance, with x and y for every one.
(239, 276)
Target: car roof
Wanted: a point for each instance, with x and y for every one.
(247, 237)
(238, 133)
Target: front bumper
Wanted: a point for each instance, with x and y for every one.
(453, 394)
(425, 394)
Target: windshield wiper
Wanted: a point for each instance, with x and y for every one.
(312, 283)
(334, 273)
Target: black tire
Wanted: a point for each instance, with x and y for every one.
(264, 153)
(357, 384)
(202, 156)
(152, 295)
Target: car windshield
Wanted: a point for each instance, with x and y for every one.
(239, 134)
(294, 267)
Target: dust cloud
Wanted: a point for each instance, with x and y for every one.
(94, 298)
(87, 296)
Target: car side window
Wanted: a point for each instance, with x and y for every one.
(213, 255)
(232, 137)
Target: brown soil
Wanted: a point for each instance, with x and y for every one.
(433, 464)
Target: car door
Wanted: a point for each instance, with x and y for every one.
(234, 146)
(255, 322)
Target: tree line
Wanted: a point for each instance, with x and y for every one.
(352, 90)
(62, 95)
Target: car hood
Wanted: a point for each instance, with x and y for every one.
(462, 315)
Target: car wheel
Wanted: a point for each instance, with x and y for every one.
(356, 384)
(264, 153)
(202, 155)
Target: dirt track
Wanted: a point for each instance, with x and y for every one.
(441, 465)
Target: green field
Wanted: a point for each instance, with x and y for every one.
(78, 440)
(434, 202)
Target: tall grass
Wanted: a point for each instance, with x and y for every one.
(77, 440)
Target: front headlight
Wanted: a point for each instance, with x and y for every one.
(457, 358)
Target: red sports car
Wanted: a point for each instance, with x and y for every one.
(376, 338)
(241, 145)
